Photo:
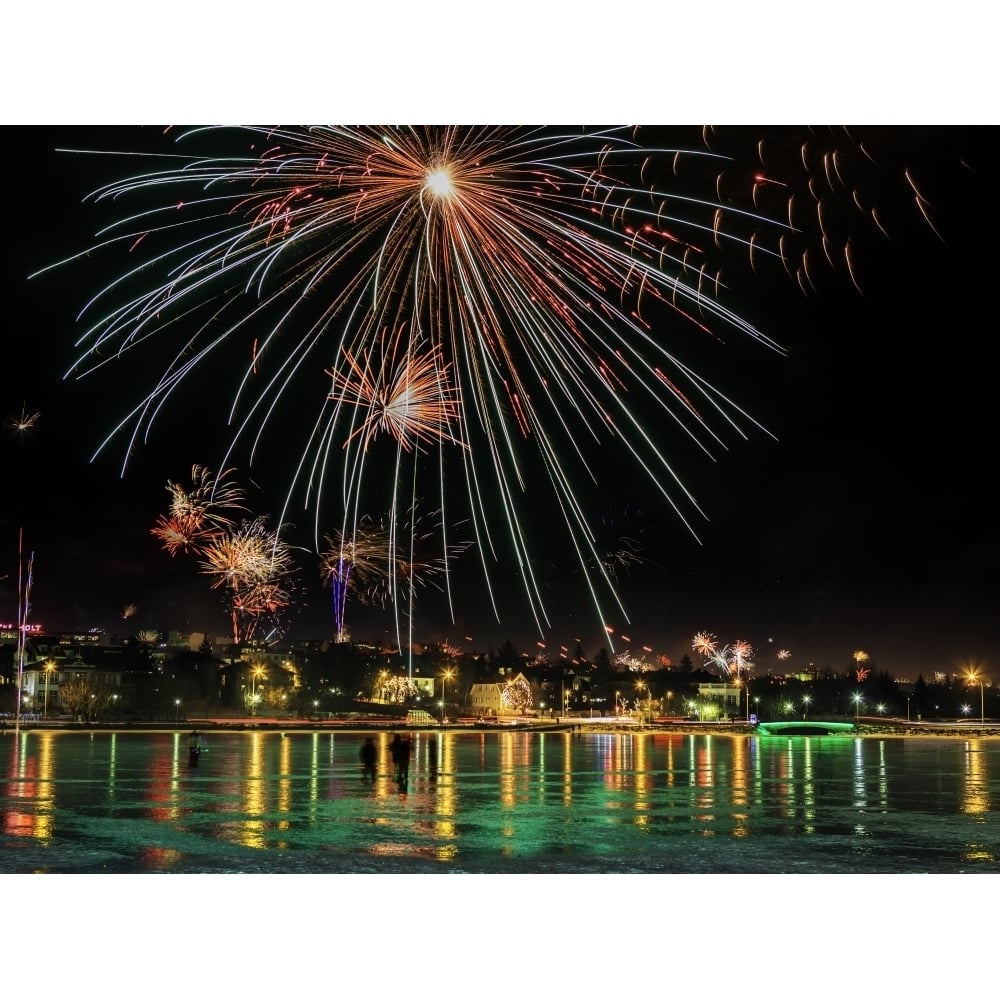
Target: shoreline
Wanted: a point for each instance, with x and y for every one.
(864, 728)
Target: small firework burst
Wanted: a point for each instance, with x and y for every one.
(25, 420)
(408, 397)
(704, 643)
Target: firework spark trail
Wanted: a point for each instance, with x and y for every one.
(836, 185)
(536, 271)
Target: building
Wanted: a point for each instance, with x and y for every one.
(508, 698)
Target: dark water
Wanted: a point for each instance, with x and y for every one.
(498, 802)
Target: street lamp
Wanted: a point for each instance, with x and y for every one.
(445, 677)
(856, 698)
(974, 677)
(805, 706)
(49, 668)
(640, 686)
(255, 675)
(177, 710)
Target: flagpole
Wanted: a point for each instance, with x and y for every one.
(23, 606)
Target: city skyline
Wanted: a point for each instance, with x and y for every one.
(856, 517)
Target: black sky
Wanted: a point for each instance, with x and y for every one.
(866, 522)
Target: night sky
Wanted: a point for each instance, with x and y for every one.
(865, 521)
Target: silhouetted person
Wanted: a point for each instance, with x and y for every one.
(194, 748)
(368, 755)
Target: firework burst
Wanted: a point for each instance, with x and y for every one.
(371, 564)
(408, 399)
(251, 562)
(546, 285)
(198, 514)
(734, 660)
(704, 643)
(25, 420)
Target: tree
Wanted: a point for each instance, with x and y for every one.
(603, 660)
(79, 696)
(507, 656)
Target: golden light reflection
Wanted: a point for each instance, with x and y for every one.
(567, 772)
(975, 799)
(284, 785)
(443, 770)
(254, 795)
(644, 777)
(704, 781)
(740, 786)
(976, 785)
(31, 780)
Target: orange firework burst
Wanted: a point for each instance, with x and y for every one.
(407, 395)
(704, 643)
(199, 513)
(251, 561)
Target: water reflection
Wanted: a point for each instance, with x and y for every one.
(501, 801)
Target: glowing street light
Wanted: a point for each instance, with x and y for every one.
(177, 710)
(975, 677)
(639, 687)
(857, 699)
(256, 674)
(49, 667)
(445, 677)
(805, 705)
